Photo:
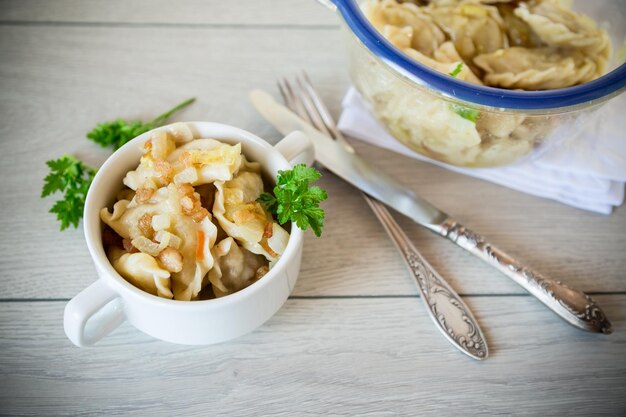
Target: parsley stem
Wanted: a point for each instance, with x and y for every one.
(160, 119)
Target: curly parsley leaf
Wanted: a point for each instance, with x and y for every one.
(269, 202)
(296, 200)
(117, 132)
(71, 177)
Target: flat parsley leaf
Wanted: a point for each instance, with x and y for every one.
(71, 177)
(296, 200)
(457, 70)
(465, 112)
(117, 132)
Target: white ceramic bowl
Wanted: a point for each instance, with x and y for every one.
(106, 303)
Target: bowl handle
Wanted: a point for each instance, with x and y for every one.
(297, 148)
(92, 314)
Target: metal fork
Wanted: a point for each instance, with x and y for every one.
(445, 307)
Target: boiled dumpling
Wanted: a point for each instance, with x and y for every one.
(205, 161)
(249, 166)
(535, 69)
(126, 216)
(565, 29)
(235, 267)
(180, 132)
(410, 26)
(197, 241)
(154, 168)
(153, 172)
(446, 60)
(237, 210)
(143, 271)
(474, 28)
(495, 126)
(399, 37)
(161, 222)
(197, 162)
(517, 30)
(557, 26)
(433, 123)
(245, 219)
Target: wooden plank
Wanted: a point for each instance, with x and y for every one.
(58, 82)
(319, 357)
(185, 12)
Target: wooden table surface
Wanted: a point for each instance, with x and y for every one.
(353, 338)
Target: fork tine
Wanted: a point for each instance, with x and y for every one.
(320, 106)
(283, 92)
(301, 98)
(288, 96)
(323, 112)
(296, 103)
(311, 110)
(293, 102)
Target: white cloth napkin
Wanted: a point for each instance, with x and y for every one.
(587, 172)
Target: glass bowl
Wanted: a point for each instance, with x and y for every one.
(471, 125)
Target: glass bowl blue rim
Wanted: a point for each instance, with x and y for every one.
(599, 89)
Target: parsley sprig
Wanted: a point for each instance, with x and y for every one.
(71, 177)
(296, 200)
(465, 112)
(117, 132)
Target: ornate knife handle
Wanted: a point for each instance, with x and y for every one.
(576, 307)
(444, 305)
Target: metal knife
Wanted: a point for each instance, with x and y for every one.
(575, 307)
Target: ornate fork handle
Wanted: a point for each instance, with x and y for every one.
(576, 307)
(444, 305)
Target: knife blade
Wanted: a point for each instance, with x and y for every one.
(574, 306)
